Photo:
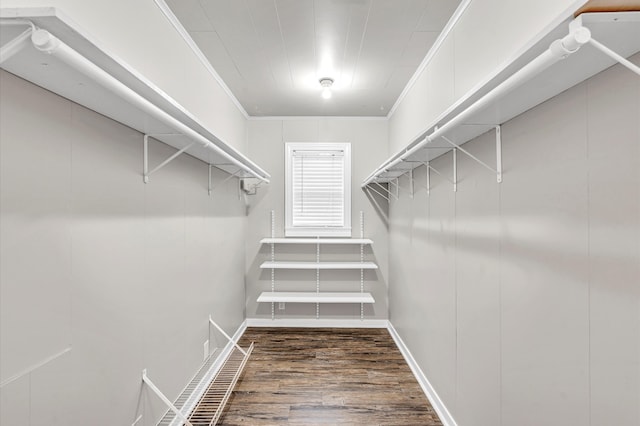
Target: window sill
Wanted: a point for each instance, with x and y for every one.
(318, 232)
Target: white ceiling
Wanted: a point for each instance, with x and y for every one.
(272, 53)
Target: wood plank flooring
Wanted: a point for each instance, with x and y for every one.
(303, 376)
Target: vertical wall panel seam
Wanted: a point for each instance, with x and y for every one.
(146, 410)
(499, 238)
(456, 297)
(30, 402)
(71, 215)
(455, 244)
(589, 276)
(638, 246)
(185, 214)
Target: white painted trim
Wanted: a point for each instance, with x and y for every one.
(432, 396)
(337, 241)
(268, 264)
(314, 297)
(317, 117)
(168, 13)
(291, 230)
(319, 323)
(431, 53)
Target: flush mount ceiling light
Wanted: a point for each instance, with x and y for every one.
(326, 84)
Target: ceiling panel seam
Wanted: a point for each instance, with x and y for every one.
(344, 47)
(364, 33)
(284, 45)
(317, 117)
(171, 17)
(430, 55)
(258, 38)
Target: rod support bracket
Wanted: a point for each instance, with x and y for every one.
(499, 153)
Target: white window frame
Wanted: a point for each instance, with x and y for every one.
(299, 231)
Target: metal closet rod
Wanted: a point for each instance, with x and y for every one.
(47, 43)
(557, 50)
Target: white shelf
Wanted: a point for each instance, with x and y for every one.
(55, 75)
(318, 265)
(336, 241)
(305, 297)
(620, 31)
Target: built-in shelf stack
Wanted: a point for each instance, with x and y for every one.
(317, 296)
(306, 297)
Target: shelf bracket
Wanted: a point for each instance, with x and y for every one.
(250, 185)
(455, 169)
(613, 55)
(387, 190)
(228, 178)
(396, 183)
(498, 169)
(369, 188)
(145, 167)
(428, 179)
(411, 188)
(168, 403)
(427, 176)
(499, 153)
(430, 167)
(210, 185)
(213, 323)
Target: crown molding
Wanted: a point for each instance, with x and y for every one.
(168, 13)
(431, 53)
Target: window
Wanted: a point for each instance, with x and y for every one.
(318, 190)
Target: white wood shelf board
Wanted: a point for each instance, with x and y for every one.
(619, 31)
(318, 265)
(336, 241)
(307, 297)
(48, 72)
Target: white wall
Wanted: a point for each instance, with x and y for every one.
(488, 35)
(125, 274)
(520, 300)
(138, 33)
(368, 138)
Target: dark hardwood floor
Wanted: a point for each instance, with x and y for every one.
(302, 376)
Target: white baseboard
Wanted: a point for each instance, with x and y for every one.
(432, 396)
(239, 332)
(321, 323)
(437, 404)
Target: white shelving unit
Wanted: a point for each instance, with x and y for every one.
(556, 60)
(48, 49)
(336, 241)
(304, 297)
(318, 265)
(317, 297)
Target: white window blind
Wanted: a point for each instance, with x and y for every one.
(318, 187)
